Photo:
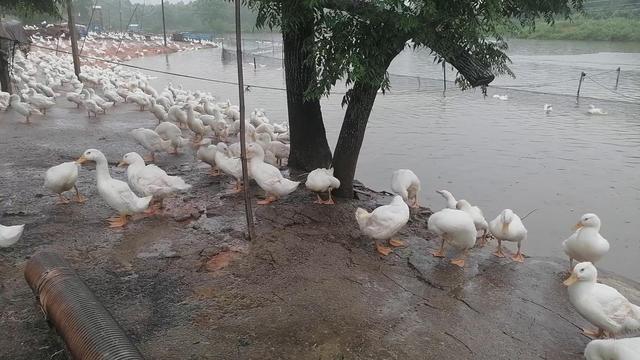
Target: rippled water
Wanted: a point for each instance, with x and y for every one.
(496, 154)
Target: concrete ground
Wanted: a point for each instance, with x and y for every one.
(188, 285)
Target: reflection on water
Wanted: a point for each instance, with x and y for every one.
(495, 154)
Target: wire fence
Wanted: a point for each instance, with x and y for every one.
(264, 53)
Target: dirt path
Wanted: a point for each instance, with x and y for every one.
(190, 286)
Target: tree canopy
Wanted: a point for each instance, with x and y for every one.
(26, 7)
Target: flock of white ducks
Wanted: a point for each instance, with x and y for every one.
(458, 225)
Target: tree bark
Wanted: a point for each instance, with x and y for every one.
(309, 146)
(4, 74)
(352, 132)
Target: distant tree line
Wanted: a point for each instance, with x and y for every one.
(200, 16)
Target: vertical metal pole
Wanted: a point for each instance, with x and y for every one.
(120, 9)
(444, 76)
(254, 63)
(617, 78)
(243, 140)
(74, 41)
(582, 75)
(164, 28)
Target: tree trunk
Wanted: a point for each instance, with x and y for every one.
(4, 74)
(309, 146)
(362, 97)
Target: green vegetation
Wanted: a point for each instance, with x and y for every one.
(608, 20)
(199, 16)
(585, 28)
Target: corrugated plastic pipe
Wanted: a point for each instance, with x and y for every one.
(86, 326)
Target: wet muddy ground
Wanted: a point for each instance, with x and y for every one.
(188, 285)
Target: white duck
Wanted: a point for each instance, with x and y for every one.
(9, 235)
(4, 100)
(151, 141)
(169, 131)
(586, 243)
(600, 304)
(76, 98)
(176, 115)
(229, 165)
(139, 99)
(40, 102)
(23, 108)
(455, 227)
(405, 183)
(548, 108)
(280, 150)
(593, 110)
(507, 226)
(150, 179)
(207, 153)
(478, 218)
(158, 111)
(115, 192)
(61, 178)
(322, 180)
(384, 222)
(613, 349)
(451, 201)
(501, 97)
(91, 106)
(268, 176)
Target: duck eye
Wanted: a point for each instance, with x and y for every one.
(581, 270)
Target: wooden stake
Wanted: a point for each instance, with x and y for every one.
(243, 140)
(164, 28)
(617, 78)
(582, 75)
(74, 41)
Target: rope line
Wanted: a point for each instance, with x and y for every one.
(387, 93)
(613, 91)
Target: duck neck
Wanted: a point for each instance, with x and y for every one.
(136, 166)
(102, 170)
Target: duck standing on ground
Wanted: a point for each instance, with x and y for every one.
(229, 165)
(40, 102)
(613, 349)
(169, 131)
(23, 108)
(507, 226)
(151, 180)
(268, 176)
(9, 235)
(600, 304)
(151, 141)
(115, 192)
(586, 243)
(478, 218)
(405, 183)
(322, 180)
(61, 178)
(456, 227)
(384, 222)
(207, 153)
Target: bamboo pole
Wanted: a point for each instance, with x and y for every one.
(164, 28)
(582, 75)
(74, 41)
(243, 140)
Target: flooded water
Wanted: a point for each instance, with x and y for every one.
(496, 154)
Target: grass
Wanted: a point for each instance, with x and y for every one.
(582, 28)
